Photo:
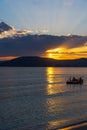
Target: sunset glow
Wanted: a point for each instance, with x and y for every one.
(48, 28)
(65, 53)
(7, 58)
(55, 53)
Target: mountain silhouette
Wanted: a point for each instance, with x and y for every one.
(33, 61)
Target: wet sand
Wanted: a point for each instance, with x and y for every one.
(79, 126)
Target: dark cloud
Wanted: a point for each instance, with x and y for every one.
(37, 44)
(4, 27)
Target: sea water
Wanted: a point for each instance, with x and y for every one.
(38, 98)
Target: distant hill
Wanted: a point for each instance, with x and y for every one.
(33, 61)
(1, 62)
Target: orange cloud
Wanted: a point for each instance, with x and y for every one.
(64, 53)
(7, 58)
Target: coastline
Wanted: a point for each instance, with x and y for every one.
(79, 126)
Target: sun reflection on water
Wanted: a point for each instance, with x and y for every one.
(50, 73)
(54, 103)
(50, 79)
(54, 80)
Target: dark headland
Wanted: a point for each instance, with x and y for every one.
(34, 61)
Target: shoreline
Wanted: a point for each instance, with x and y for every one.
(78, 126)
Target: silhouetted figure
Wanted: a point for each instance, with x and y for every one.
(74, 79)
(80, 79)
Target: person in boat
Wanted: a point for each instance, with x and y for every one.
(80, 79)
(74, 79)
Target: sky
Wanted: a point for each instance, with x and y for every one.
(56, 17)
(53, 17)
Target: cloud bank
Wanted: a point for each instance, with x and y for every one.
(37, 44)
(23, 43)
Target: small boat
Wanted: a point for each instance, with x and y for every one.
(75, 81)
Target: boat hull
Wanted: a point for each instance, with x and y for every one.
(74, 82)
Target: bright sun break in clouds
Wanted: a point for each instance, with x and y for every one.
(49, 17)
(67, 54)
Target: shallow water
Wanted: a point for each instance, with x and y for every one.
(38, 98)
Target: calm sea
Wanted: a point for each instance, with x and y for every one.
(38, 98)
